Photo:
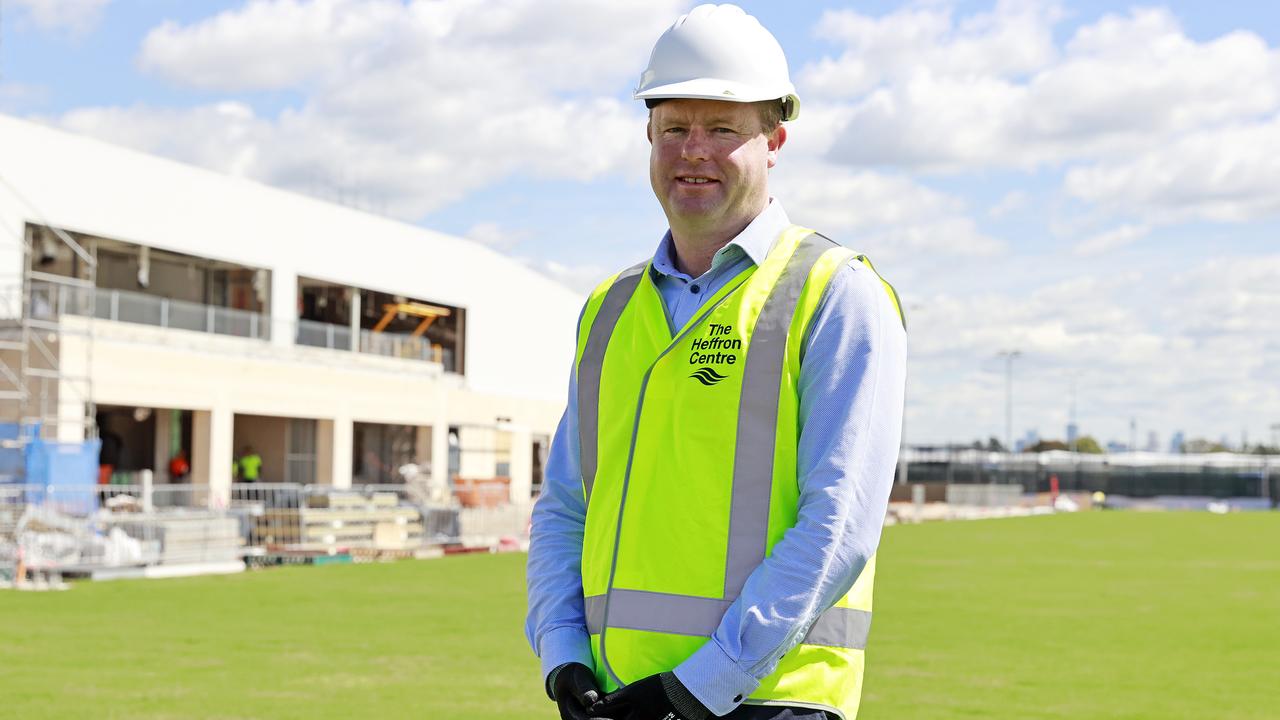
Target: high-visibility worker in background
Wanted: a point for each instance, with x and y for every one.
(249, 465)
(705, 540)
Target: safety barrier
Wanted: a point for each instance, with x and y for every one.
(84, 529)
(1138, 475)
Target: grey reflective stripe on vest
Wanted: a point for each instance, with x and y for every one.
(758, 417)
(659, 612)
(592, 365)
(841, 627)
(685, 615)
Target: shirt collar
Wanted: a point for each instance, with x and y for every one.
(756, 240)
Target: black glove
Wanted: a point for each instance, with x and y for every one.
(573, 687)
(657, 697)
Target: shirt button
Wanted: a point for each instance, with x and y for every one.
(737, 698)
(694, 288)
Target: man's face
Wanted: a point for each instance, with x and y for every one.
(709, 163)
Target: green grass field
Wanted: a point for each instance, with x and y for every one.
(1101, 615)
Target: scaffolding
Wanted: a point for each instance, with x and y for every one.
(39, 382)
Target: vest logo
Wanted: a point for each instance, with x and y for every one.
(717, 347)
(707, 376)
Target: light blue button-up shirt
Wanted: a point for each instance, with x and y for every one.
(851, 391)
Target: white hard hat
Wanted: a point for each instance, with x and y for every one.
(719, 52)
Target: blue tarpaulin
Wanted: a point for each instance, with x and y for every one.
(12, 461)
(64, 473)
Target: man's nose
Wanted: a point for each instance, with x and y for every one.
(697, 145)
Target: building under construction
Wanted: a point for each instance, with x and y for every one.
(169, 319)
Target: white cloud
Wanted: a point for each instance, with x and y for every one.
(1012, 202)
(1227, 174)
(1120, 85)
(271, 45)
(17, 95)
(1112, 239)
(407, 107)
(1198, 355)
(229, 135)
(1014, 39)
(1230, 296)
(74, 16)
(518, 48)
(496, 236)
(888, 214)
(582, 278)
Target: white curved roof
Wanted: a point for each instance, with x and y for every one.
(519, 323)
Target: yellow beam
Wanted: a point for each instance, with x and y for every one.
(428, 312)
(422, 327)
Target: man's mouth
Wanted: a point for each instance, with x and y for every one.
(689, 180)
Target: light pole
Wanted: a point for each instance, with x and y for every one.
(1008, 356)
(1071, 422)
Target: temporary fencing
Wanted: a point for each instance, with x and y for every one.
(88, 529)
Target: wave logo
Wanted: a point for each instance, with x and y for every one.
(707, 376)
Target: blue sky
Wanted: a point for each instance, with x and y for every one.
(1087, 182)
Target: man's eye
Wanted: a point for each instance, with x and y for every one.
(725, 130)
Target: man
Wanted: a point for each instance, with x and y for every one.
(250, 464)
(704, 543)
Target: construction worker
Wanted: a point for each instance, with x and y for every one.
(179, 466)
(250, 465)
(704, 544)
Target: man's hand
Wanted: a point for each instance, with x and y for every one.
(657, 697)
(573, 687)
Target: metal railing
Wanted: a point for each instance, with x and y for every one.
(89, 529)
(324, 335)
(50, 301)
(405, 346)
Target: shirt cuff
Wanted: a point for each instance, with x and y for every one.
(715, 679)
(564, 645)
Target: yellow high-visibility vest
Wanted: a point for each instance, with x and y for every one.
(688, 448)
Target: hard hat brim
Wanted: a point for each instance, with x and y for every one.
(726, 90)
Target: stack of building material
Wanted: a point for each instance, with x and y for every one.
(186, 537)
(342, 520)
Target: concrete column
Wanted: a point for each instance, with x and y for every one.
(161, 456)
(355, 319)
(440, 455)
(71, 416)
(423, 451)
(211, 434)
(478, 458)
(324, 452)
(521, 464)
(340, 447)
(284, 307)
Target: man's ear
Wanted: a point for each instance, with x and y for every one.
(776, 139)
(648, 130)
